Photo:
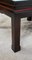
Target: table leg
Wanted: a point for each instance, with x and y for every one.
(29, 18)
(15, 33)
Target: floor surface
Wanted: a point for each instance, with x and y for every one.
(6, 52)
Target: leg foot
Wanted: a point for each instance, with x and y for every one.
(16, 49)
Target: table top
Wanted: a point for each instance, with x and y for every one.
(14, 0)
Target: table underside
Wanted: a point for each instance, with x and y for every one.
(16, 7)
(23, 8)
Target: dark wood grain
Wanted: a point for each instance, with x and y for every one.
(15, 33)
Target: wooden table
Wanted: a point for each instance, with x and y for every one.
(16, 10)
